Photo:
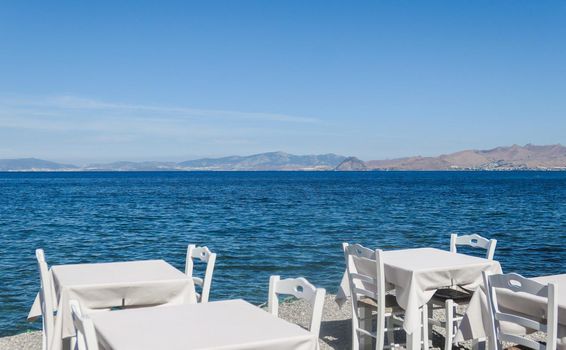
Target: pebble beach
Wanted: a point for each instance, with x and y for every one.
(335, 331)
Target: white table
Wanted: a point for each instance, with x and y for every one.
(227, 325)
(417, 273)
(476, 320)
(107, 285)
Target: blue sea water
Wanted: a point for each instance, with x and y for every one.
(264, 223)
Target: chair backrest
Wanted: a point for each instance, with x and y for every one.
(365, 271)
(86, 335)
(517, 283)
(206, 256)
(300, 288)
(366, 277)
(45, 299)
(475, 241)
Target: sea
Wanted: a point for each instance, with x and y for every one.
(265, 223)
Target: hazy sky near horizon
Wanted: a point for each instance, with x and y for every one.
(175, 80)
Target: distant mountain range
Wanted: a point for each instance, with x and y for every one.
(528, 157)
(267, 161)
(32, 164)
(133, 166)
(256, 162)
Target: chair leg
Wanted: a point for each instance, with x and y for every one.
(449, 328)
(43, 337)
(355, 335)
(73, 342)
(390, 324)
(425, 330)
(430, 316)
(365, 323)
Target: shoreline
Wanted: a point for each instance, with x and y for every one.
(376, 170)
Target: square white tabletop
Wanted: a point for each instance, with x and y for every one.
(126, 272)
(107, 285)
(430, 259)
(231, 324)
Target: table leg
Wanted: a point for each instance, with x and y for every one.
(414, 340)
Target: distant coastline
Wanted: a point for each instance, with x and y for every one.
(275, 170)
(511, 158)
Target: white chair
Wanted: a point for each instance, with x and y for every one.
(206, 256)
(366, 277)
(517, 283)
(449, 298)
(475, 241)
(46, 300)
(300, 288)
(86, 335)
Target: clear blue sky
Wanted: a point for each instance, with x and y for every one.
(96, 81)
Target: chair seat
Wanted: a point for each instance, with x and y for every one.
(459, 296)
(391, 305)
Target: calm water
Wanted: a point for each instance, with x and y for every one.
(264, 223)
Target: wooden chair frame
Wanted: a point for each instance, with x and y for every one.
(517, 283)
(453, 319)
(370, 286)
(46, 301)
(475, 241)
(206, 256)
(86, 335)
(300, 288)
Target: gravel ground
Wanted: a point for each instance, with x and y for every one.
(24, 341)
(335, 332)
(336, 329)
